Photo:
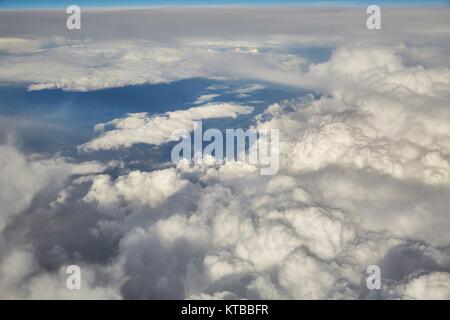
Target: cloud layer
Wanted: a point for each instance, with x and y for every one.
(364, 172)
(143, 128)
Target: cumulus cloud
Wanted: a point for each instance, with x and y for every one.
(206, 231)
(432, 286)
(137, 188)
(159, 129)
(22, 278)
(22, 177)
(373, 149)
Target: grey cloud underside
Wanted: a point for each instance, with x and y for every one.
(364, 167)
(306, 24)
(118, 48)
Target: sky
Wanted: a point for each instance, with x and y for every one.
(123, 3)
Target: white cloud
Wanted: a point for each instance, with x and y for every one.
(22, 278)
(159, 129)
(138, 188)
(245, 91)
(306, 277)
(364, 171)
(27, 46)
(206, 98)
(432, 286)
(22, 177)
(229, 45)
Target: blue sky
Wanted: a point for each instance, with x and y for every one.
(127, 3)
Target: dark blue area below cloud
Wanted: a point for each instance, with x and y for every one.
(57, 121)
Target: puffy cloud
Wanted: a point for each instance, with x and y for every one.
(159, 129)
(376, 117)
(305, 277)
(390, 133)
(138, 188)
(351, 161)
(241, 235)
(364, 172)
(430, 286)
(22, 177)
(22, 278)
(206, 98)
